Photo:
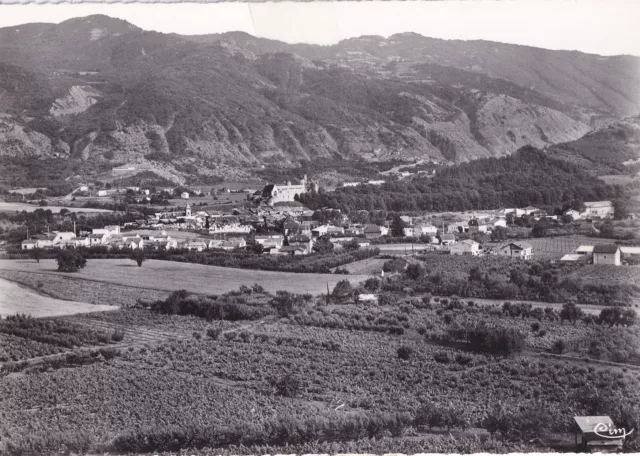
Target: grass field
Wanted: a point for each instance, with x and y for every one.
(17, 299)
(11, 207)
(170, 276)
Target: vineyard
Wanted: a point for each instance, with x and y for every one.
(177, 381)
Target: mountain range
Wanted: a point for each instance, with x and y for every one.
(102, 90)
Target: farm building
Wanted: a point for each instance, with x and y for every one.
(29, 244)
(606, 254)
(592, 434)
(102, 193)
(466, 247)
(184, 195)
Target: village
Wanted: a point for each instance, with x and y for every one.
(274, 219)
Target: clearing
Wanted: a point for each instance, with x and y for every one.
(196, 278)
(16, 299)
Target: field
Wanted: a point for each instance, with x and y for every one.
(13, 207)
(170, 276)
(17, 299)
(618, 179)
(370, 266)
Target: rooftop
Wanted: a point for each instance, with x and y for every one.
(606, 248)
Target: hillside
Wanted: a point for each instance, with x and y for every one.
(528, 177)
(611, 150)
(102, 90)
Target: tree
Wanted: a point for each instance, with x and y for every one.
(37, 254)
(610, 316)
(288, 385)
(499, 233)
(397, 226)
(70, 261)
(343, 291)
(571, 312)
(286, 303)
(138, 256)
(323, 245)
(351, 246)
(414, 271)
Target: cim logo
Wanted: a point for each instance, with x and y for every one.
(609, 432)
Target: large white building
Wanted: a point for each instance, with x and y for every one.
(598, 209)
(272, 193)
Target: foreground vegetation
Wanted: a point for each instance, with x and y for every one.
(264, 370)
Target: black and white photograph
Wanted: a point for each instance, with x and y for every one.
(334, 227)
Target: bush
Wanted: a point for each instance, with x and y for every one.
(442, 357)
(559, 346)
(405, 352)
(214, 333)
(118, 335)
(288, 385)
(535, 327)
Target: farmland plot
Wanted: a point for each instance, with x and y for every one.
(16, 299)
(171, 276)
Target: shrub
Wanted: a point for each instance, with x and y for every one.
(535, 327)
(117, 335)
(288, 385)
(214, 333)
(405, 352)
(442, 357)
(559, 346)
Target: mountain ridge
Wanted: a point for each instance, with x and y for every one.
(102, 89)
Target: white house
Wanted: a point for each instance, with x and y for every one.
(102, 193)
(606, 254)
(63, 236)
(29, 244)
(447, 239)
(97, 239)
(598, 209)
(184, 195)
(520, 250)
(466, 247)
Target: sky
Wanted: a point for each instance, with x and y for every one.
(606, 27)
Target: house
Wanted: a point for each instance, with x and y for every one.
(233, 243)
(63, 236)
(575, 215)
(268, 241)
(97, 239)
(476, 227)
(376, 182)
(606, 254)
(292, 250)
(363, 243)
(327, 229)
(354, 230)
(198, 246)
(135, 243)
(466, 247)
(44, 240)
(598, 209)
(520, 250)
(497, 222)
(184, 195)
(350, 184)
(458, 227)
(530, 210)
(372, 231)
(447, 239)
(301, 241)
(597, 434)
(29, 244)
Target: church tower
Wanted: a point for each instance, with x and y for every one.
(187, 211)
